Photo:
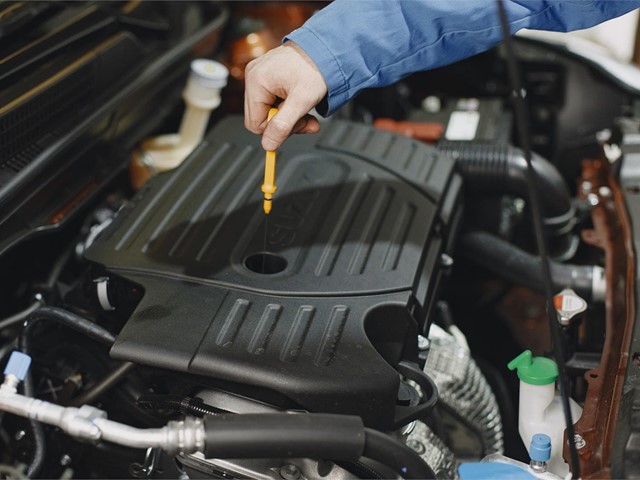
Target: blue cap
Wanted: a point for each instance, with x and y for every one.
(18, 365)
(493, 471)
(540, 449)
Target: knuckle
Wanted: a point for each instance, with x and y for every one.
(250, 71)
(279, 127)
(249, 125)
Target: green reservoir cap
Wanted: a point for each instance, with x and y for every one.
(534, 370)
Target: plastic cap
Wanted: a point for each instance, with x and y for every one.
(18, 365)
(534, 370)
(209, 73)
(540, 449)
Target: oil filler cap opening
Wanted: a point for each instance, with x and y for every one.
(265, 263)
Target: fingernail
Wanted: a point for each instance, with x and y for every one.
(269, 144)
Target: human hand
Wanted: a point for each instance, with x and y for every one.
(288, 73)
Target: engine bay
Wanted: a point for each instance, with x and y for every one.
(387, 319)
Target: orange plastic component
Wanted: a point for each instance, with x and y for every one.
(269, 185)
(429, 132)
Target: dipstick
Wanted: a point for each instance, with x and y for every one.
(269, 185)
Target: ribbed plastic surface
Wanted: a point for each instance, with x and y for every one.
(354, 227)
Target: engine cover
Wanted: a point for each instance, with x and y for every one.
(330, 313)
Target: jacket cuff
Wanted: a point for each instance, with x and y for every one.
(328, 65)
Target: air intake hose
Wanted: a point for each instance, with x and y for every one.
(502, 168)
(522, 268)
(332, 437)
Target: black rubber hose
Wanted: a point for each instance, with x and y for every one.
(37, 431)
(384, 449)
(60, 315)
(517, 266)
(500, 168)
(282, 435)
(332, 437)
(66, 318)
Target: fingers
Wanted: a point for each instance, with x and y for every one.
(307, 124)
(257, 102)
(292, 114)
(288, 73)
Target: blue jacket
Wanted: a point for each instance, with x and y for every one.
(371, 43)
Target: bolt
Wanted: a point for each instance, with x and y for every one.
(20, 434)
(586, 186)
(423, 343)
(416, 446)
(605, 192)
(579, 441)
(603, 136)
(519, 204)
(136, 470)
(593, 199)
(290, 472)
(446, 261)
(65, 460)
(431, 104)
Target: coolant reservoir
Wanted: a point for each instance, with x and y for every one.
(540, 408)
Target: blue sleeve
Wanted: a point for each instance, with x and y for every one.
(371, 43)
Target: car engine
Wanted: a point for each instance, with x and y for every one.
(387, 319)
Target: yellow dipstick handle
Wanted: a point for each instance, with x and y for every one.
(269, 185)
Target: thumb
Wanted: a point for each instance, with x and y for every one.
(283, 123)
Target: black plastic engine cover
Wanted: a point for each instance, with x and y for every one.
(357, 229)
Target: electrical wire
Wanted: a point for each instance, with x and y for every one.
(19, 316)
(534, 204)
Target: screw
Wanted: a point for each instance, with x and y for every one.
(604, 192)
(290, 472)
(431, 104)
(519, 204)
(423, 343)
(416, 446)
(603, 136)
(579, 441)
(20, 434)
(593, 199)
(65, 460)
(136, 470)
(586, 186)
(446, 261)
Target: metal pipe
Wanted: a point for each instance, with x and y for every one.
(104, 385)
(89, 423)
